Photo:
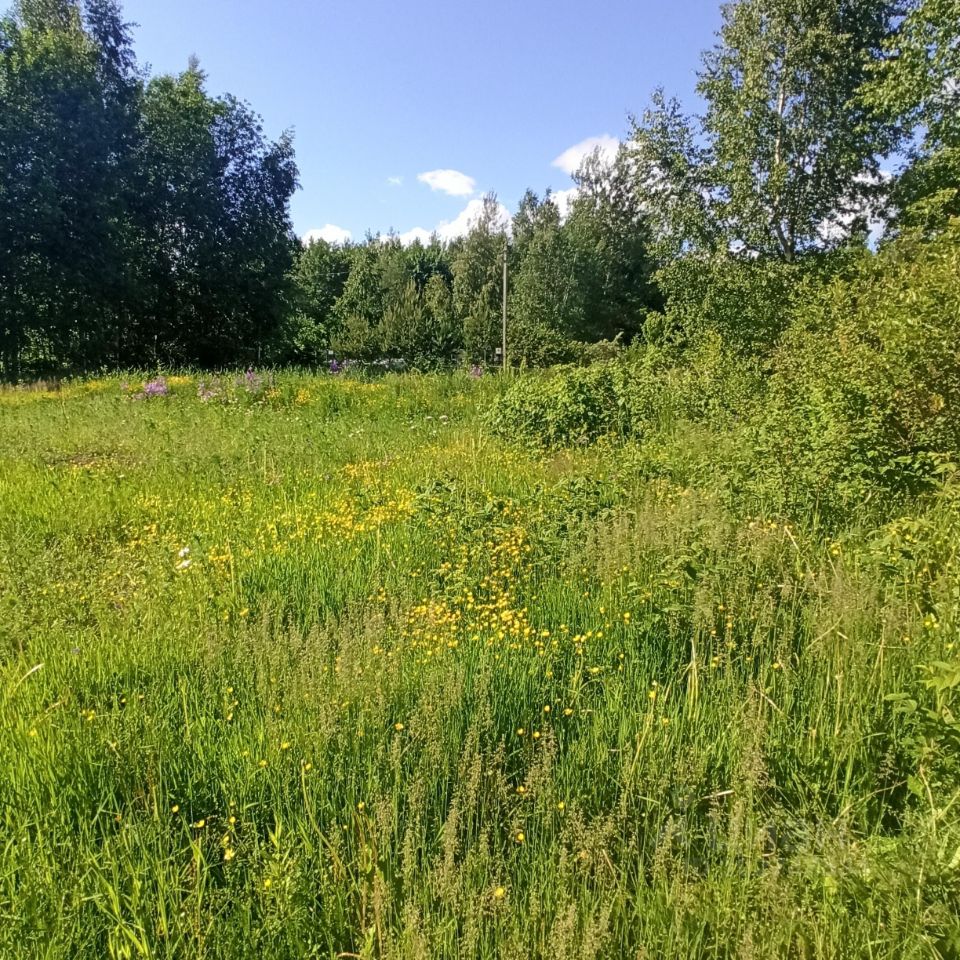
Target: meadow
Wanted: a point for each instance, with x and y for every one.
(309, 665)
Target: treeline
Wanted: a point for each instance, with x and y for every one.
(571, 283)
(144, 222)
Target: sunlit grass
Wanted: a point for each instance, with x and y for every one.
(319, 668)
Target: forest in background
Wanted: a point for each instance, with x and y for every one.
(145, 222)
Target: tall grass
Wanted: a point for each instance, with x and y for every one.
(323, 669)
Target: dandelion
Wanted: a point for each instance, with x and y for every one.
(175, 808)
(398, 727)
(200, 824)
(561, 806)
(519, 837)
(499, 893)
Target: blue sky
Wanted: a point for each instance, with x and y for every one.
(406, 113)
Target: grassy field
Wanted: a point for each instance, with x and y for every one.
(319, 667)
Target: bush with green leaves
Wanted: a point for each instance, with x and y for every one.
(647, 390)
(864, 400)
(562, 406)
(741, 300)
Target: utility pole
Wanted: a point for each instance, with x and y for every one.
(504, 347)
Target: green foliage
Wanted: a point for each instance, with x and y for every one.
(856, 404)
(217, 199)
(865, 397)
(637, 396)
(274, 674)
(318, 277)
(567, 405)
(743, 301)
(547, 302)
(477, 264)
(916, 84)
(785, 157)
(397, 302)
(139, 221)
(610, 236)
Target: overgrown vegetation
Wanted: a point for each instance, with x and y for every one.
(652, 653)
(314, 666)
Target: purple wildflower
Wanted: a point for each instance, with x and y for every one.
(252, 381)
(476, 371)
(207, 393)
(156, 388)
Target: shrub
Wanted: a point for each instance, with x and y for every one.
(564, 405)
(645, 391)
(865, 396)
(744, 302)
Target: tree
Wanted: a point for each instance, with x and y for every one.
(318, 278)
(477, 281)
(397, 303)
(138, 222)
(61, 149)
(917, 84)
(546, 297)
(609, 234)
(218, 241)
(786, 157)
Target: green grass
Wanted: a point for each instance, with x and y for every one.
(329, 671)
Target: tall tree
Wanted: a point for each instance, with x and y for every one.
(610, 236)
(219, 242)
(137, 223)
(546, 297)
(318, 278)
(60, 150)
(477, 281)
(785, 157)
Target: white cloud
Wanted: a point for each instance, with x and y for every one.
(395, 181)
(448, 230)
(329, 232)
(563, 199)
(451, 182)
(569, 161)
(417, 233)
